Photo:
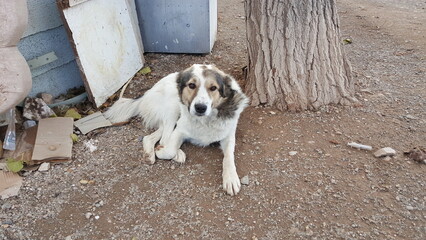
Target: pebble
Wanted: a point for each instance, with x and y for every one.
(97, 217)
(409, 208)
(44, 167)
(99, 203)
(84, 182)
(88, 215)
(68, 238)
(409, 117)
(6, 206)
(7, 222)
(292, 153)
(387, 151)
(245, 180)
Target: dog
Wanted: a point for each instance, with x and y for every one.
(200, 105)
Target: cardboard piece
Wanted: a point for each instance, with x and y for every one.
(92, 122)
(24, 146)
(106, 42)
(53, 139)
(10, 183)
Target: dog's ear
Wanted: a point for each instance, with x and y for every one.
(225, 89)
(182, 78)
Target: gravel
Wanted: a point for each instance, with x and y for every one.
(325, 191)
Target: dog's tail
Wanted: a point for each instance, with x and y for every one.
(123, 110)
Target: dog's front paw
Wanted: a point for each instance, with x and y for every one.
(231, 182)
(163, 152)
(180, 156)
(149, 158)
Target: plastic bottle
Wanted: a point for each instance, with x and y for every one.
(10, 138)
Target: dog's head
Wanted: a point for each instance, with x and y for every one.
(203, 88)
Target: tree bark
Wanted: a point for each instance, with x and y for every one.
(296, 61)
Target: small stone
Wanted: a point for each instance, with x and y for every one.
(410, 117)
(68, 238)
(84, 182)
(7, 222)
(245, 180)
(97, 217)
(44, 167)
(6, 206)
(387, 158)
(99, 203)
(409, 208)
(272, 112)
(292, 153)
(88, 215)
(387, 151)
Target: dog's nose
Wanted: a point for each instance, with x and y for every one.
(200, 108)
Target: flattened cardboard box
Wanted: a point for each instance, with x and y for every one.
(53, 139)
(10, 183)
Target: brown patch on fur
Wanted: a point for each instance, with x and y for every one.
(188, 94)
(215, 95)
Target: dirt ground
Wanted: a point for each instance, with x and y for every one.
(322, 190)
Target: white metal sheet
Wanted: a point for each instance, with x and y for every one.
(107, 45)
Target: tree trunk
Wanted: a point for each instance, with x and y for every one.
(296, 61)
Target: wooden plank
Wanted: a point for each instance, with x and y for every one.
(106, 44)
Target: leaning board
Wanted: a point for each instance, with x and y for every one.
(106, 41)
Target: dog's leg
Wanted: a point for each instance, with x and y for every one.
(168, 131)
(170, 149)
(149, 145)
(231, 181)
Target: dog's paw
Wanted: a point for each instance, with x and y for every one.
(231, 182)
(164, 153)
(149, 158)
(180, 156)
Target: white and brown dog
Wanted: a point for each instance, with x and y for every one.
(200, 104)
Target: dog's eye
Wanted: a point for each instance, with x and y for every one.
(213, 88)
(191, 86)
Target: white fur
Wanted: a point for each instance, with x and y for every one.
(162, 109)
